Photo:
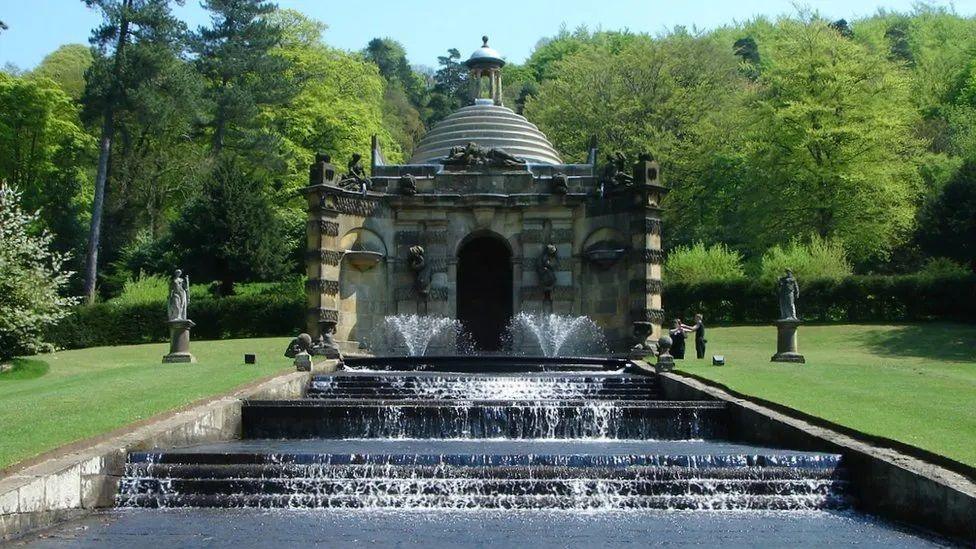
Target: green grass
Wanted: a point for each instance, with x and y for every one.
(912, 383)
(50, 400)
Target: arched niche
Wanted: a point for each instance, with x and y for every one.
(604, 248)
(363, 282)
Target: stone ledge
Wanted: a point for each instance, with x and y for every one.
(885, 481)
(83, 477)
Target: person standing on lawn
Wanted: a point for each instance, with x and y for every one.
(678, 339)
(700, 341)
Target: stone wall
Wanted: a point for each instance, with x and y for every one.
(885, 481)
(85, 476)
(518, 206)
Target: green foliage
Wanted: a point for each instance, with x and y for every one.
(66, 66)
(31, 279)
(450, 87)
(146, 289)
(337, 108)
(45, 151)
(231, 231)
(238, 59)
(947, 224)
(818, 259)
(698, 263)
(942, 267)
(830, 127)
(122, 322)
(852, 299)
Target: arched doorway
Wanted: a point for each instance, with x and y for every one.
(484, 289)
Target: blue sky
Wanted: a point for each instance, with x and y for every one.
(428, 27)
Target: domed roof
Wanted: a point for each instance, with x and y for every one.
(488, 125)
(485, 56)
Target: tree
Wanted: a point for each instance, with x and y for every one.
(44, 152)
(134, 36)
(31, 279)
(67, 66)
(405, 95)
(237, 58)
(677, 96)
(830, 144)
(947, 225)
(450, 87)
(338, 106)
(230, 231)
(391, 58)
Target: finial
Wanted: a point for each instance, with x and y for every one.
(484, 41)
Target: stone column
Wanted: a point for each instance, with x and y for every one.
(786, 342)
(179, 342)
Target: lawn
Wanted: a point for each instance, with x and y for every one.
(50, 400)
(912, 383)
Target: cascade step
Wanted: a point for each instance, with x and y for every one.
(475, 387)
(763, 480)
(406, 418)
(313, 501)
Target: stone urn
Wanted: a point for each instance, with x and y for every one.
(665, 362)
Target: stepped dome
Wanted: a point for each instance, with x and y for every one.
(488, 125)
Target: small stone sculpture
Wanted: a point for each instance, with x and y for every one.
(475, 155)
(665, 362)
(301, 344)
(326, 345)
(788, 291)
(179, 288)
(322, 172)
(356, 177)
(408, 185)
(642, 330)
(547, 270)
(615, 171)
(423, 274)
(560, 183)
(302, 347)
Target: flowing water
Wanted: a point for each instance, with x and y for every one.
(418, 335)
(528, 453)
(416, 440)
(553, 335)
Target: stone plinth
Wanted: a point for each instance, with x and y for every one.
(303, 362)
(179, 342)
(786, 341)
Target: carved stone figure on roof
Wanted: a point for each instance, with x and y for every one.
(356, 177)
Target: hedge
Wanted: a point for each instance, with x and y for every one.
(853, 299)
(230, 317)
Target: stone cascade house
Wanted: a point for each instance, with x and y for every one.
(485, 221)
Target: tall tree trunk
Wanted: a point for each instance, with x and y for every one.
(105, 147)
(98, 205)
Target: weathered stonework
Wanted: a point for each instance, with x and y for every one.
(459, 231)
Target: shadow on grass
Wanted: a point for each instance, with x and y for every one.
(937, 341)
(25, 368)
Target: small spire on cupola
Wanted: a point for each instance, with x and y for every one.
(485, 62)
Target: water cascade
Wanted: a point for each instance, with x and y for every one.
(437, 440)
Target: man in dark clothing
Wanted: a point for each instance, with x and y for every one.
(699, 329)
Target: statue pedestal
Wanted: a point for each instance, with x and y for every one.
(303, 362)
(786, 341)
(179, 342)
(665, 363)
